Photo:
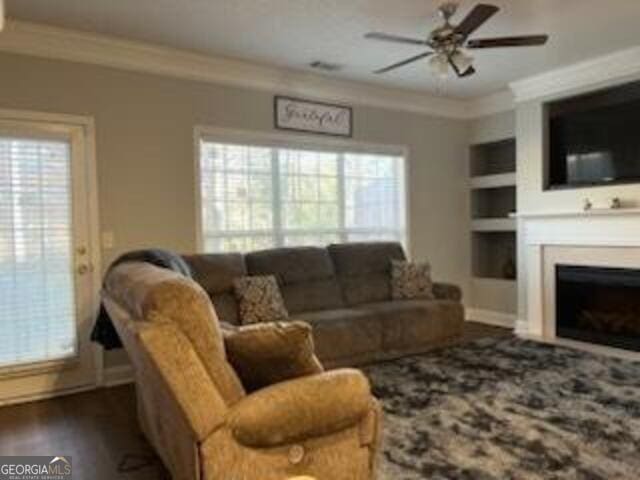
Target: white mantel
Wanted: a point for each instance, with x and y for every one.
(604, 238)
(604, 227)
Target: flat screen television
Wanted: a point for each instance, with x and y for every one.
(594, 139)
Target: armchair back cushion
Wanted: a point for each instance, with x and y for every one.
(144, 290)
(267, 353)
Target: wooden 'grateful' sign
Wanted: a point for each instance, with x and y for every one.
(315, 117)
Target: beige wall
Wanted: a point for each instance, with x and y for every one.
(494, 127)
(144, 138)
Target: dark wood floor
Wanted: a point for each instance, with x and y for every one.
(99, 429)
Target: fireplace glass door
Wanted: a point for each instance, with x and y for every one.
(598, 305)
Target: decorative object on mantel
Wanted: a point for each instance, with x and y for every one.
(616, 203)
(313, 117)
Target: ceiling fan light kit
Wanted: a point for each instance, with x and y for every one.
(449, 42)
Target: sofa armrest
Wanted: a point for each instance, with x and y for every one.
(447, 291)
(301, 409)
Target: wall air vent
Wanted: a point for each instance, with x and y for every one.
(325, 66)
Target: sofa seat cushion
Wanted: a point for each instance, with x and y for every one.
(364, 270)
(305, 274)
(412, 324)
(344, 332)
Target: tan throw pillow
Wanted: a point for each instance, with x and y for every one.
(259, 299)
(268, 353)
(411, 280)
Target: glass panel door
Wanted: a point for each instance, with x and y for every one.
(37, 319)
(46, 289)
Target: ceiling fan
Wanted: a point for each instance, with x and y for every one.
(449, 42)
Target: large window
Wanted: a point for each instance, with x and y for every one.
(256, 197)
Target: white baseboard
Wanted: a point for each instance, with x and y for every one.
(522, 328)
(119, 375)
(489, 317)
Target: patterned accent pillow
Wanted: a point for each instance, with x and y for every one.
(259, 299)
(411, 280)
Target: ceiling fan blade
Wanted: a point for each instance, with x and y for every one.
(523, 41)
(385, 37)
(480, 14)
(404, 62)
(467, 73)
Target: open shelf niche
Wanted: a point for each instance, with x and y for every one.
(493, 200)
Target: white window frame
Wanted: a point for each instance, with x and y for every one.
(293, 141)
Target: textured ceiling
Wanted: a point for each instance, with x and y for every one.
(292, 33)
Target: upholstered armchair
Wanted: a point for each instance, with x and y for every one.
(195, 410)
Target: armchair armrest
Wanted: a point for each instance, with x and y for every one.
(177, 383)
(267, 353)
(303, 408)
(447, 291)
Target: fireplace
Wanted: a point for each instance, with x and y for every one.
(598, 305)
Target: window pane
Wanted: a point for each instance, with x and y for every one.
(309, 191)
(374, 193)
(37, 317)
(238, 243)
(236, 188)
(263, 197)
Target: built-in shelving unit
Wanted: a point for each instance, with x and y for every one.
(493, 204)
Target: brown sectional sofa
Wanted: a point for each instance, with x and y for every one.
(344, 292)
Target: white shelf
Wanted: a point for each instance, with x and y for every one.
(494, 181)
(494, 225)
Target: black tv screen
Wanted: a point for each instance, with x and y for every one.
(595, 139)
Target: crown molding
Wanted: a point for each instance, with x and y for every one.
(62, 44)
(502, 101)
(597, 72)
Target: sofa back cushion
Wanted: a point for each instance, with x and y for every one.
(306, 276)
(363, 270)
(215, 273)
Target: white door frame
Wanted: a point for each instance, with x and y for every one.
(86, 126)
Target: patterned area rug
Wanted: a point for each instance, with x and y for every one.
(508, 409)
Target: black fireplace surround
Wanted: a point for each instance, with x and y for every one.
(598, 305)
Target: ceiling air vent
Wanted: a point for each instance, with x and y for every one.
(325, 66)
